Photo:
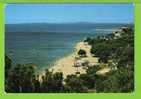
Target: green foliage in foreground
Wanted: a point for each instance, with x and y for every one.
(22, 78)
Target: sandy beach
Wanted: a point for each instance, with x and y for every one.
(66, 64)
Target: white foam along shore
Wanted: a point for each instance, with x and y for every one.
(66, 64)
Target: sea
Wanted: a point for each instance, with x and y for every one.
(43, 44)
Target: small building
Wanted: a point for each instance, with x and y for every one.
(79, 63)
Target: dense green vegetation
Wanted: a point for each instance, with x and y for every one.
(117, 52)
(120, 50)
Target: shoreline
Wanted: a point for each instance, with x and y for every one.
(66, 63)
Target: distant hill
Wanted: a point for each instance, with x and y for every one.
(60, 27)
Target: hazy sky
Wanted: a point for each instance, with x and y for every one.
(62, 13)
